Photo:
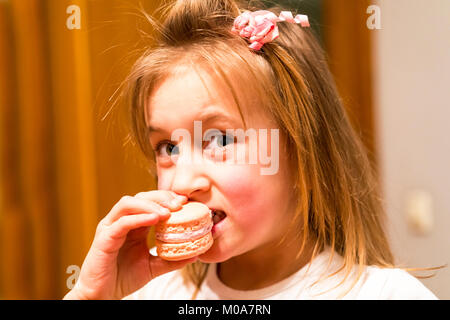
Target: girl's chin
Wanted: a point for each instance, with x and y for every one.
(212, 257)
(215, 254)
(205, 259)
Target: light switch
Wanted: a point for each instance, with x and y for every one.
(419, 211)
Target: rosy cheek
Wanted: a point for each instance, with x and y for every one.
(245, 192)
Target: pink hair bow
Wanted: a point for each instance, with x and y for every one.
(261, 27)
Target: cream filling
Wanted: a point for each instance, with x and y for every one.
(185, 236)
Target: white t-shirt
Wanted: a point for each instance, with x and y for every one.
(375, 283)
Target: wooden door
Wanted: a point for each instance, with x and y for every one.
(64, 157)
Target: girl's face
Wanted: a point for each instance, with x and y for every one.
(253, 209)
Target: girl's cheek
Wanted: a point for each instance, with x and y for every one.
(242, 186)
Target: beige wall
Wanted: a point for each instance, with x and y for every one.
(412, 93)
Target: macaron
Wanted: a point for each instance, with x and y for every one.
(186, 234)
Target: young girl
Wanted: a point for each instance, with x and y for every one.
(310, 230)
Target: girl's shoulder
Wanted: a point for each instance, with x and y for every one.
(374, 283)
(392, 283)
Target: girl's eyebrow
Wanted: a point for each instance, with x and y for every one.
(218, 118)
(206, 118)
(152, 129)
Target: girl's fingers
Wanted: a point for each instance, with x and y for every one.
(113, 236)
(165, 198)
(125, 224)
(131, 206)
(159, 266)
(129, 213)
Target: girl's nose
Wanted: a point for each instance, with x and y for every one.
(189, 179)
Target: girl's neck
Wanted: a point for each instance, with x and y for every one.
(264, 266)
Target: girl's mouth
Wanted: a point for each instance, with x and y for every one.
(217, 216)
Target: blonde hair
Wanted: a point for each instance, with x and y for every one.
(342, 209)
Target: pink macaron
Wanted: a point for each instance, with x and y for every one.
(186, 234)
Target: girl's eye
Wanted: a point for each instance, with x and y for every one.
(220, 140)
(217, 140)
(167, 149)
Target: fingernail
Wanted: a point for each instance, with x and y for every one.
(175, 202)
(164, 210)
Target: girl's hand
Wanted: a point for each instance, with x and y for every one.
(118, 262)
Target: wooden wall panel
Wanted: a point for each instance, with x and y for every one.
(14, 275)
(35, 145)
(63, 161)
(348, 43)
(76, 178)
